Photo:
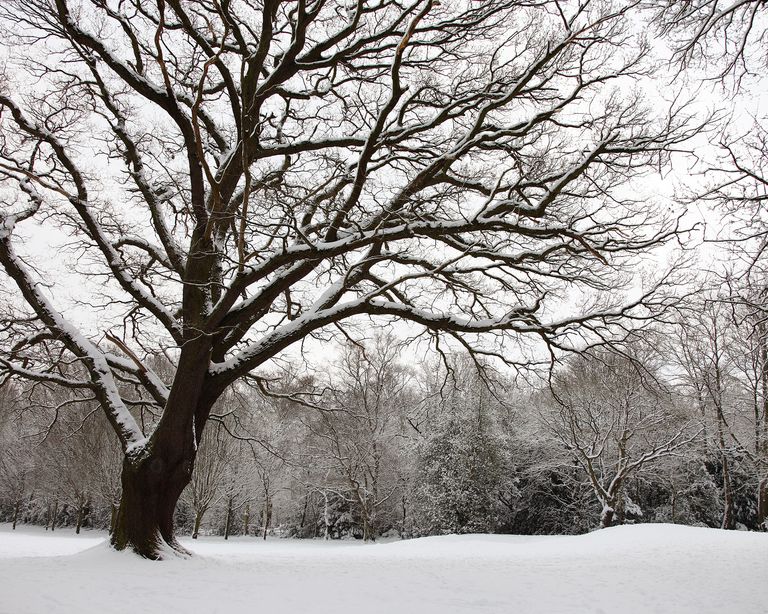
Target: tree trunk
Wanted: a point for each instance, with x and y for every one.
(54, 514)
(762, 504)
(155, 475)
(611, 500)
(369, 524)
(112, 518)
(267, 516)
(229, 518)
(246, 519)
(16, 508)
(403, 502)
(198, 520)
(304, 514)
(729, 521)
(673, 496)
(80, 514)
(152, 485)
(606, 518)
(620, 508)
(326, 517)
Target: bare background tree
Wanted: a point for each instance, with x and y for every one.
(615, 419)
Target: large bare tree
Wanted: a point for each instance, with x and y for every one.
(615, 421)
(234, 176)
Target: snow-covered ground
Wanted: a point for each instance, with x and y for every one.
(643, 568)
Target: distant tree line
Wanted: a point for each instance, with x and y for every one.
(671, 428)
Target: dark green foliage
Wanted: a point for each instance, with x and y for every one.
(461, 474)
(544, 496)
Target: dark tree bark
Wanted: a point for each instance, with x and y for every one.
(729, 517)
(266, 516)
(606, 517)
(198, 521)
(82, 510)
(404, 514)
(228, 520)
(151, 491)
(112, 519)
(151, 486)
(16, 508)
(54, 514)
(247, 519)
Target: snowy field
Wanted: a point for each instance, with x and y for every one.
(644, 568)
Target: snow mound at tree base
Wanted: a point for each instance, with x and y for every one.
(632, 569)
